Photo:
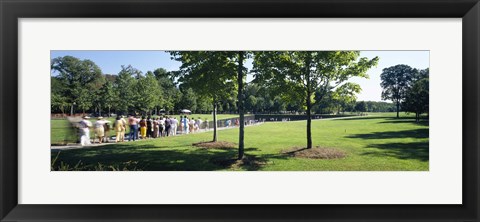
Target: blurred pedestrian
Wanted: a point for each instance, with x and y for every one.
(84, 127)
(119, 126)
(99, 127)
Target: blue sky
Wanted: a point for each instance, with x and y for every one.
(111, 61)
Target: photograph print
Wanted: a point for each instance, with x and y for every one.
(239, 110)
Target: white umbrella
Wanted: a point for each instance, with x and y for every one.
(185, 111)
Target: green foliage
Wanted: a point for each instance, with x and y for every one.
(149, 93)
(395, 83)
(211, 74)
(170, 94)
(208, 73)
(297, 75)
(108, 96)
(188, 101)
(361, 106)
(372, 106)
(76, 80)
(417, 95)
(125, 90)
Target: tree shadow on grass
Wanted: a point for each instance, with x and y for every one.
(361, 118)
(406, 150)
(423, 122)
(250, 162)
(161, 158)
(149, 157)
(414, 150)
(415, 133)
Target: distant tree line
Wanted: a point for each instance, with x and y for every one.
(79, 86)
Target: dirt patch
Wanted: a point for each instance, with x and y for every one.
(215, 145)
(247, 163)
(315, 153)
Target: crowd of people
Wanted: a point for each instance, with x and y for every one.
(139, 128)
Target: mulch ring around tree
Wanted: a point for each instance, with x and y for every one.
(215, 145)
(248, 162)
(315, 153)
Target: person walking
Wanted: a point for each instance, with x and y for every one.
(168, 124)
(124, 129)
(155, 127)
(119, 126)
(161, 127)
(173, 126)
(84, 127)
(185, 124)
(149, 127)
(143, 127)
(191, 125)
(179, 124)
(99, 128)
(133, 123)
(199, 123)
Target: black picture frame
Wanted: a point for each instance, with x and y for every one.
(11, 11)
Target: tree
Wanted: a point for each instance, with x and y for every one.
(58, 101)
(149, 93)
(298, 74)
(345, 95)
(210, 74)
(188, 100)
(124, 87)
(171, 94)
(241, 56)
(395, 83)
(361, 106)
(107, 96)
(81, 79)
(416, 99)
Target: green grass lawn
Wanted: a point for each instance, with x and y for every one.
(61, 131)
(377, 142)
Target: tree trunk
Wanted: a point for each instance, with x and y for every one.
(109, 111)
(214, 120)
(240, 105)
(309, 123)
(398, 108)
(309, 105)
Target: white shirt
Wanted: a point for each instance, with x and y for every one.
(85, 124)
(100, 123)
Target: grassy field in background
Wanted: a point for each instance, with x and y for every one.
(60, 130)
(376, 142)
